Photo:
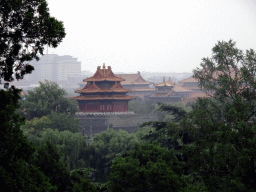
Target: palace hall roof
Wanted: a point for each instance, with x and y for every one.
(94, 88)
(103, 97)
(104, 75)
(189, 79)
(103, 85)
(164, 94)
(231, 71)
(178, 88)
(168, 83)
(131, 79)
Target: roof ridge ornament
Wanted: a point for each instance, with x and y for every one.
(104, 70)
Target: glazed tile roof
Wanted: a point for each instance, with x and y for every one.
(103, 97)
(215, 75)
(194, 97)
(131, 79)
(93, 88)
(168, 83)
(104, 75)
(149, 89)
(164, 94)
(189, 79)
(178, 88)
(101, 83)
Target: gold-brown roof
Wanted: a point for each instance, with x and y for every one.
(103, 97)
(168, 83)
(178, 88)
(164, 94)
(131, 79)
(194, 97)
(215, 75)
(104, 75)
(189, 79)
(93, 88)
(143, 89)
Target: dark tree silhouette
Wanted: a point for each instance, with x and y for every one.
(25, 28)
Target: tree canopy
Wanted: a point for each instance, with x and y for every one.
(46, 99)
(223, 125)
(17, 172)
(25, 28)
(147, 167)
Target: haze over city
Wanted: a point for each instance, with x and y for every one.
(153, 36)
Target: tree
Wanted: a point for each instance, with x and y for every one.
(72, 146)
(17, 172)
(59, 121)
(141, 107)
(148, 167)
(46, 99)
(81, 182)
(223, 126)
(47, 158)
(25, 28)
(105, 147)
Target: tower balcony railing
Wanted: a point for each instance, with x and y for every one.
(104, 113)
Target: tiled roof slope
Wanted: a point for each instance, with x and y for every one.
(104, 75)
(93, 88)
(215, 75)
(132, 79)
(168, 83)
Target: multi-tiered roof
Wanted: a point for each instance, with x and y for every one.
(106, 88)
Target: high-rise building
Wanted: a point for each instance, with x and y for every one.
(55, 68)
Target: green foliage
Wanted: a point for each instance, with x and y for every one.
(16, 171)
(71, 145)
(194, 183)
(177, 112)
(36, 125)
(223, 127)
(81, 182)
(164, 130)
(47, 158)
(46, 99)
(141, 107)
(11, 138)
(105, 147)
(64, 122)
(146, 167)
(59, 121)
(25, 28)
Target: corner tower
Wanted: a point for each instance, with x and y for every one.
(103, 93)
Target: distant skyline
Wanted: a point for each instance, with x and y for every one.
(151, 35)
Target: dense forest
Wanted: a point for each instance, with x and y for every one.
(208, 145)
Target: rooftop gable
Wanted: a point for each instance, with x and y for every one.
(132, 79)
(103, 75)
(168, 83)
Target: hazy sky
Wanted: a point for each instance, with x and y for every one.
(151, 35)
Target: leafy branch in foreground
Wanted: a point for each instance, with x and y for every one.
(25, 28)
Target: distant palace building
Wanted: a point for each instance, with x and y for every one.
(190, 83)
(193, 84)
(169, 92)
(55, 68)
(103, 93)
(136, 83)
(164, 93)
